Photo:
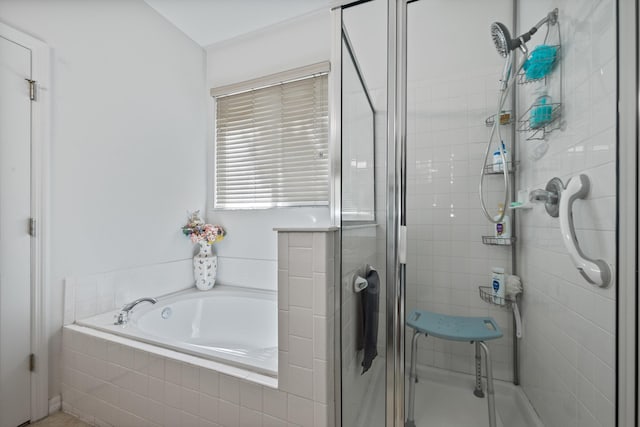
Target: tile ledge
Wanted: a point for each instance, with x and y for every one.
(305, 229)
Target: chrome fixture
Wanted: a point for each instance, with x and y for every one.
(123, 317)
(505, 44)
(550, 196)
(558, 200)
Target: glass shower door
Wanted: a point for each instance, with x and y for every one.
(560, 367)
(363, 136)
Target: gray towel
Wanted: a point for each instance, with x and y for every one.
(370, 301)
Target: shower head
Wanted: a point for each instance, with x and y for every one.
(501, 38)
(503, 41)
(505, 44)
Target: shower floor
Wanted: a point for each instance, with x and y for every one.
(445, 399)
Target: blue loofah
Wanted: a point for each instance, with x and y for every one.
(541, 113)
(540, 62)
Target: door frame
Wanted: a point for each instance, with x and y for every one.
(40, 136)
(628, 17)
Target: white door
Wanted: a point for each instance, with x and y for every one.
(15, 240)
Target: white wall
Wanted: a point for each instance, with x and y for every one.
(128, 139)
(568, 350)
(247, 256)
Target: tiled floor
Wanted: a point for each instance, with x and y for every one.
(60, 419)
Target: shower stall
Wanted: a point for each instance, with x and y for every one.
(479, 174)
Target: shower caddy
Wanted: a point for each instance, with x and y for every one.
(505, 117)
(555, 108)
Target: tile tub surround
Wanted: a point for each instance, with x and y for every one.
(306, 319)
(88, 295)
(109, 383)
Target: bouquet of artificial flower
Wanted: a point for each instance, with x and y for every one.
(198, 231)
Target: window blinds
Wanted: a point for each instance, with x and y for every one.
(272, 146)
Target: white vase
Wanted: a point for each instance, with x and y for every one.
(205, 266)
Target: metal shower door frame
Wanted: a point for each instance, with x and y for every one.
(628, 194)
(628, 18)
(396, 208)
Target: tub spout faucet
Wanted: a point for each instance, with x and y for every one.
(123, 317)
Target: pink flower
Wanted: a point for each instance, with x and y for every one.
(198, 231)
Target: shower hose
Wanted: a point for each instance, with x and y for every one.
(505, 167)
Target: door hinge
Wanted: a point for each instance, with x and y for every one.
(32, 362)
(32, 227)
(402, 245)
(32, 89)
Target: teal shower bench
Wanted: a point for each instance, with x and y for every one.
(454, 328)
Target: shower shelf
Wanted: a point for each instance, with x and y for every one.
(488, 169)
(486, 294)
(498, 241)
(551, 85)
(506, 118)
(539, 132)
(522, 77)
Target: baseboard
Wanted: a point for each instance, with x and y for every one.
(55, 404)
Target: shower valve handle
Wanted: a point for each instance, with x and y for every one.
(550, 196)
(541, 195)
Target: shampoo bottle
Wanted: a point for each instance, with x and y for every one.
(503, 228)
(497, 285)
(498, 165)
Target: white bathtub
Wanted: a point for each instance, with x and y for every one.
(227, 324)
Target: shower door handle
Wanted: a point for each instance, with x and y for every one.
(595, 271)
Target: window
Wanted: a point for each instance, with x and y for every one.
(272, 146)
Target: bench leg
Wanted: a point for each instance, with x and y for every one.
(478, 390)
(413, 379)
(490, 393)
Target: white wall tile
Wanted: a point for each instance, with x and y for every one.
(301, 352)
(301, 240)
(190, 376)
(320, 338)
(156, 389)
(300, 382)
(229, 389)
(283, 289)
(189, 400)
(208, 408)
(251, 396)
(269, 421)
(320, 294)
(300, 411)
(172, 395)
(320, 254)
(301, 291)
(283, 330)
(156, 366)
(301, 322)
(283, 251)
(173, 371)
(275, 403)
(209, 382)
(300, 261)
